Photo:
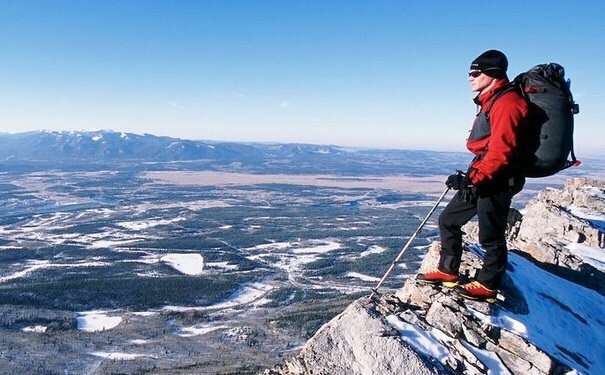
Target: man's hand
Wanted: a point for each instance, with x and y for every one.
(457, 181)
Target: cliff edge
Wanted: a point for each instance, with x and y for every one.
(548, 318)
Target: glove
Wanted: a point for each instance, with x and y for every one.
(457, 181)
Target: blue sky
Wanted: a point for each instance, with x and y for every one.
(351, 73)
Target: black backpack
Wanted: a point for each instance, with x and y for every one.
(548, 139)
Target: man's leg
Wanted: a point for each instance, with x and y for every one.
(457, 213)
(493, 215)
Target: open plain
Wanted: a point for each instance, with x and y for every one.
(137, 272)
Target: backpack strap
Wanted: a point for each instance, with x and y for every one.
(486, 113)
(510, 87)
(574, 162)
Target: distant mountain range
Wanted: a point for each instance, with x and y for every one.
(85, 149)
(103, 149)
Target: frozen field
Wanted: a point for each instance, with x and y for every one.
(125, 271)
(149, 270)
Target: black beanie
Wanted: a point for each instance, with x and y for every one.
(492, 63)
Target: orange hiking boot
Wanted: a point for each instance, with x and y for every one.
(438, 277)
(477, 292)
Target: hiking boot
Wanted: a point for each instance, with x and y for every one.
(477, 292)
(438, 277)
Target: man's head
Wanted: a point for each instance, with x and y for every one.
(487, 68)
(492, 63)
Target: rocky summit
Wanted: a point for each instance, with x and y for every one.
(548, 318)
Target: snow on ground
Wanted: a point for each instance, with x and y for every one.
(200, 329)
(96, 320)
(223, 265)
(319, 248)
(372, 250)
(37, 329)
(598, 221)
(107, 243)
(362, 277)
(144, 313)
(293, 255)
(31, 267)
(244, 295)
(272, 246)
(50, 228)
(431, 342)
(559, 313)
(591, 255)
(261, 302)
(148, 223)
(34, 265)
(140, 342)
(119, 356)
(594, 191)
(189, 264)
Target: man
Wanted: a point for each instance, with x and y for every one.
(491, 182)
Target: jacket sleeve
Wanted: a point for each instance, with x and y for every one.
(506, 119)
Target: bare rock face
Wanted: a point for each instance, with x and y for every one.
(556, 218)
(555, 221)
(369, 337)
(446, 313)
(359, 341)
(426, 329)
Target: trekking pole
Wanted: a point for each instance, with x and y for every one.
(375, 289)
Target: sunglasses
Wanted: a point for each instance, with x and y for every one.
(477, 72)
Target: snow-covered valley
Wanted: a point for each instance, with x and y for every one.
(137, 271)
(128, 271)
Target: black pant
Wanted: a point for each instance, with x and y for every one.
(491, 207)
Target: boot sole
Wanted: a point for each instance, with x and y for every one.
(478, 299)
(448, 284)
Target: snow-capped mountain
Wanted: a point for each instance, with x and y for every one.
(77, 149)
(100, 146)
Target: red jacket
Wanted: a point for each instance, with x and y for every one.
(496, 145)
